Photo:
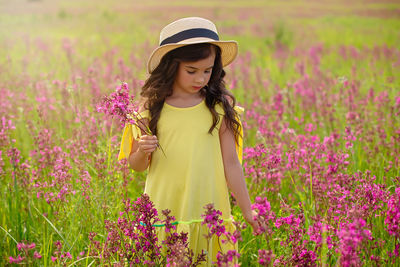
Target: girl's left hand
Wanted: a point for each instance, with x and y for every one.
(251, 219)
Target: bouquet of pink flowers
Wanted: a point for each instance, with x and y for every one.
(119, 104)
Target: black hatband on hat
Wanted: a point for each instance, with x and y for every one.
(191, 33)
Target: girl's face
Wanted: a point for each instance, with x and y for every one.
(192, 76)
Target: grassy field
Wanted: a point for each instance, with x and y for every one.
(319, 81)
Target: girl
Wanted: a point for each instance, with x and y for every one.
(195, 121)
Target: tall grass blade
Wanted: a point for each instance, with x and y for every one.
(54, 228)
(9, 235)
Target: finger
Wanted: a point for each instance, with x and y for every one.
(149, 136)
(261, 227)
(146, 137)
(148, 147)
(149, 139)
(148, 142)
(256, 227)
(148, 151)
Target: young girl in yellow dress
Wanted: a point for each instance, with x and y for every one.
(194, 119)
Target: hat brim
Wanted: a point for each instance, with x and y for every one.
(229, 50)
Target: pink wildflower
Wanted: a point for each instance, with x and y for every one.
(265, 257)
(392, 220)
(17, 260)
(352, 236)
(37, 255)
(213, 221)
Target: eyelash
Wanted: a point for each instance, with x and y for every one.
(192, 72)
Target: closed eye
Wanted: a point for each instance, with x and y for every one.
(194, 69)
(192, 72)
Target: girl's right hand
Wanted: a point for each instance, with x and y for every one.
(147, 143)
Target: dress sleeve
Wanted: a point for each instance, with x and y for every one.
(239, 145)
(130, 133)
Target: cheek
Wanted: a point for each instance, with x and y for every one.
(208, 77)
(183, 77)
(187, 77)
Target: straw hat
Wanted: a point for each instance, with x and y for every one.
(192, 30)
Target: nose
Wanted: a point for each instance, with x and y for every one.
(200, 79)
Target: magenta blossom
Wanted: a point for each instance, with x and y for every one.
(121, 105)
(352, 236)
(392, 220)
(17, 260)
(213, 221)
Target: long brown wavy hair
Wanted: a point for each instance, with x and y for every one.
(159, 86)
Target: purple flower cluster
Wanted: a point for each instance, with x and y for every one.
(133, 238)
(293, 226)
(6, 126)
(392, 220)
(28, 256)
(264, 215)
(321, 171)
(228, 258)
(52, 179)
(212, 218)
(265, 257)
(117, 103)
(178, 252)
(352, 236)
(320, 234)
(263, 166)
(121, 105)
(59, 255)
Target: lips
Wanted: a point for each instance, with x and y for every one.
(197, 87)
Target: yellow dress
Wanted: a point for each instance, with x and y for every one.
(191, 173)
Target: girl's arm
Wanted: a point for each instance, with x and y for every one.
(234, 174)
(139, 158)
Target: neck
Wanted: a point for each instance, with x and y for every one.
(184, 100)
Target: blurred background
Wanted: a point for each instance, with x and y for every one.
(132, 27)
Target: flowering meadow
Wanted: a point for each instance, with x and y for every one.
(320, 85)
